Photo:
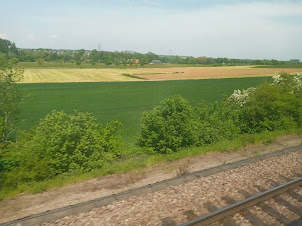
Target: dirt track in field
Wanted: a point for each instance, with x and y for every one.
(213, 72)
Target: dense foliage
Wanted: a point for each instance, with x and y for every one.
(120, 58)
(175, 124)
(169, 126)
(61, 143)
(10, 97)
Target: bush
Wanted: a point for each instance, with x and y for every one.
(217, 122)
(273, 107)
(61, 143)
(170, 126)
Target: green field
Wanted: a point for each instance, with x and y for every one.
(280, 66)
(124, 101)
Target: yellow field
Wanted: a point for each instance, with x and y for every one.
(79, 75)
(152, 74)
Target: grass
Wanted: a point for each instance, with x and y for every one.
(140, 160)
(123, 101)
(133, 76)
(280, 66)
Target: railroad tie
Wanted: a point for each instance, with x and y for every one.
(273, 183)
(295, 195)
(282, 201)
(296, 174)
(167, 221)
(288, 205)
(190, 215)
(252, 218)
(268, 209)
(287, 179)
(226, 221)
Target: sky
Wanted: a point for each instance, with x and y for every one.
(214, 28)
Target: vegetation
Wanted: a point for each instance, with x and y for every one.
(121, 101)
(269, 107)
(9, 98)
(118, 59)
(66, 147)
(133, 76)
(283, 65)
(60, 144)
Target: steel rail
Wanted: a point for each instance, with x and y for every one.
(251, 201)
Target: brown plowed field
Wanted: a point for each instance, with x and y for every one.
(212, 72)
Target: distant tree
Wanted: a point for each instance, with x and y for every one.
(117, 61)
(94, 56)
(40, 61)
(202, 60)
(78, 62)
(275, 62)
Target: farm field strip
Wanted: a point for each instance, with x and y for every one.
(78, 75)
(215, 72)
(51, 75)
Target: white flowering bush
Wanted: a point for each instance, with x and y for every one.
(297, 82)
(239, 97)
(278, 79)
(293, 83)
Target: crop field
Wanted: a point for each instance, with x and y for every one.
(77, 75)
(123, 101)
(59, 75)
(214, 72)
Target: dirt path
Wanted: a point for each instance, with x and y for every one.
(26, 204)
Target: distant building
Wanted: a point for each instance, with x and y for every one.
(136, 61)
(156, 62)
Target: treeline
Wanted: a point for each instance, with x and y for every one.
(118, 58)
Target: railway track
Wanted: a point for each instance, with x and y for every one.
(227, 215)
(180, 193)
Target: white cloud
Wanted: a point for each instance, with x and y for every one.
(53, 36)
(4, 36)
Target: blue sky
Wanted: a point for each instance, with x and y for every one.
(216, 28)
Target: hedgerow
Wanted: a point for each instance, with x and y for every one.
(175, 124)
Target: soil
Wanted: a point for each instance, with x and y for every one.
(213, 72)
(27, 204)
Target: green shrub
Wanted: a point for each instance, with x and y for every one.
(216, 122)
(61, 143)
(170, 126)
(273, 107)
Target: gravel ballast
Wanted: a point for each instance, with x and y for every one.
(151, 208)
